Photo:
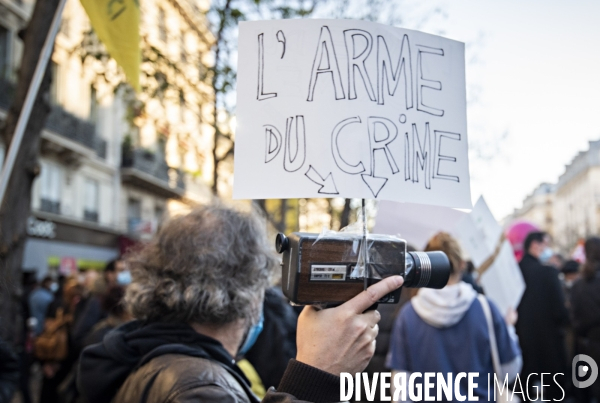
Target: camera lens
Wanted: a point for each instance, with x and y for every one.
(281, 243)
(426, 269)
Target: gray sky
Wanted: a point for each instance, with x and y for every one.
(533, 79)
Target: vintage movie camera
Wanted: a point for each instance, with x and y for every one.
(322, 269)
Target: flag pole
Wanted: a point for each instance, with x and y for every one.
(32, 92)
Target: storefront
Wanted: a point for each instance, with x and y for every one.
(57, 244)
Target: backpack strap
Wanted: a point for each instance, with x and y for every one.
(492, 334)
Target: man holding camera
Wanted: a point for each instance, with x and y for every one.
(197, 293)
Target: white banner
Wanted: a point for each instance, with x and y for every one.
(416, 223)
(342, 108)
(480, 235)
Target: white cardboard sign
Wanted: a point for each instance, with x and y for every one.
(342, 108)
(479, 233)
(416, 223)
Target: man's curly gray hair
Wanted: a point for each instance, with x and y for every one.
(209, 266)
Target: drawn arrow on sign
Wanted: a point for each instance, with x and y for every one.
(327, 184)
(375, 183)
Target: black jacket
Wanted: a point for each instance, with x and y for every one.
(542, 316)
(9, 372)
(162, 362)
(585, 307)
(585, 311)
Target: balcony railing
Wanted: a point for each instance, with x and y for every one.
(100, 147)
(50, 206)
(145, 169)
(90, 215)
(71, 127)
(61, 122)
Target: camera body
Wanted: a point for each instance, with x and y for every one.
(321, 269)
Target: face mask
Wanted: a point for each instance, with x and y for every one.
(546, 254)
(252, 335)
(124, 278)
(54, 287)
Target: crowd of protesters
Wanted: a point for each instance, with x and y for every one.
(197, 315)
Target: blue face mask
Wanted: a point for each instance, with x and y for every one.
(252, 335)
(546, 255)
(124, 278)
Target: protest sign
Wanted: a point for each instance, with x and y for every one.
(481, 237)
(342, 108)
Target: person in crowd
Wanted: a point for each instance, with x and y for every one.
(113, 304)
(542, 318)
(469, 276)
(446, 331)
(585, 307)
(24, 347)
(197, 293)
(569, 273)
(89, 311)
(116, 274)
(9, 372)
(276, 344)
(39, 300)
(55, 371)
(556, 260)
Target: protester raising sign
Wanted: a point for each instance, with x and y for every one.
(345, 108)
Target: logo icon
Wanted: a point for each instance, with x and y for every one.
(588, 369)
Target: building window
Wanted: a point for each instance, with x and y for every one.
(159, 213)
(90, 208)
(51, 185)
(4, 53)
(162, 25)
(134, 214)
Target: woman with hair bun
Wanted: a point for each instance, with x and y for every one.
(446, 331)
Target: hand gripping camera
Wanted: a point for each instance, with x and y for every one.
(329, 269)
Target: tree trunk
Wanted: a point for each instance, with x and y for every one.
(224, 14)
(345, 217)
(16, 208)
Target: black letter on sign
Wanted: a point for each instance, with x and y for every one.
(358, 61)
(422, 155)
(326, 62)
(382, 142)
(439, 157)
(423, 82)
(337, 156)
(272, 135)
(292, 164)
(386, 72)
(260, 95)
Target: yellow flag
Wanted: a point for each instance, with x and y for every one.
(117, 24)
